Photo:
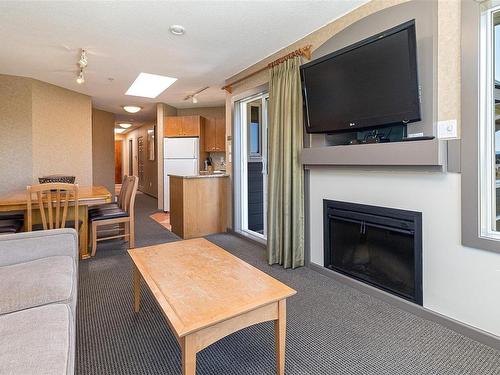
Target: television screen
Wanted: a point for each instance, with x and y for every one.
(369, 84)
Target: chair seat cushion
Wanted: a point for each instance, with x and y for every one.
(37, 341)
(11, 216)
(104, 206)
(9, 223)
(68, 224)
(10, 226)
(8, 230)
(35, 283)
(107, 214)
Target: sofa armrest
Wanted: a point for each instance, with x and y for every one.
(27, 246)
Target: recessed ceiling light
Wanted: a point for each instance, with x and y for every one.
(177, 29)
(149, 85)
(131, 108)
(119, 131)
(125, 125)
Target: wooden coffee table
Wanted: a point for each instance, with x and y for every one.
(205, 294)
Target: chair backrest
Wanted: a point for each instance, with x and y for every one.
(123, 190)
(129, 202)
(53, 201)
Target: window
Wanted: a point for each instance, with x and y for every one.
(489, 134)
(254, 131)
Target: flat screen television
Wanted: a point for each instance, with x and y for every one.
(369, 84)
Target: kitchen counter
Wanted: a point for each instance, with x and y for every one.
(198, 204)
(207, 175)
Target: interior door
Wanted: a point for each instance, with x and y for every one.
(118, 162)
(130, 157)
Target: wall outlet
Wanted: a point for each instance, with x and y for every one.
(447, 129)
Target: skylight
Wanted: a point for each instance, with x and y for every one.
(149, 85)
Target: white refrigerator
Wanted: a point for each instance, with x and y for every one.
(180, 157)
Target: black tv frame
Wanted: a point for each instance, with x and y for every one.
(377, 122)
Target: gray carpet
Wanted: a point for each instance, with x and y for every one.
(332, 328)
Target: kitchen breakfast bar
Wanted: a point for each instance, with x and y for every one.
(198, 204)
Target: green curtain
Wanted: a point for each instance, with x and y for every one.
(285, 237)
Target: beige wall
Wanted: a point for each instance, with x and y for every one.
(62, 133)
(103, 149)
(46, 130)
(15, 125)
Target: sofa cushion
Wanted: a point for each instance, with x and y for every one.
(37, 341)
(36, 283)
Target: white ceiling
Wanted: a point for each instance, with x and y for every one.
(42, 40)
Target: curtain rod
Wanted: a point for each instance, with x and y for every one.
(304, 51)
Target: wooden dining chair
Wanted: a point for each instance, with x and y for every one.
(119, 200)
(119, 221)
(53, 200)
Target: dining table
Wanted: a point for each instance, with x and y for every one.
(88, 196)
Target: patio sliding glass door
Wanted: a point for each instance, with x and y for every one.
(252, 163)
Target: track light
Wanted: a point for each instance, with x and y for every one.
(80, 79)
(193, 96)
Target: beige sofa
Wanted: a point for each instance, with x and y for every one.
(38, 289)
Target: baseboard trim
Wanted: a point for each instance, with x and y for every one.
(474, 333)
(247, 237)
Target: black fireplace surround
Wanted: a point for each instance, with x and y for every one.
(376, 245)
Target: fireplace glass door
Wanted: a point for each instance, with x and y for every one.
(379, 250)
(376, 254)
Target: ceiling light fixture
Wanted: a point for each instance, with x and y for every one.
(194, 94)
(131, 108)
(83, 59)
(149, 85)
(177, 30)
(80, 79)
(82, 63)
(125, 125)
(119, 131)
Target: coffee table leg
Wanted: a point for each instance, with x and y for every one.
(279, 336)
(188, 356)
(137, 289)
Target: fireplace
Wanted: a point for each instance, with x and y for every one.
(376, 245)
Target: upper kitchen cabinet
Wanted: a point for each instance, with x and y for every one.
(184, 126)
(215, 135)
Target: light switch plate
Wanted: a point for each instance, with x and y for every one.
(447, 129)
